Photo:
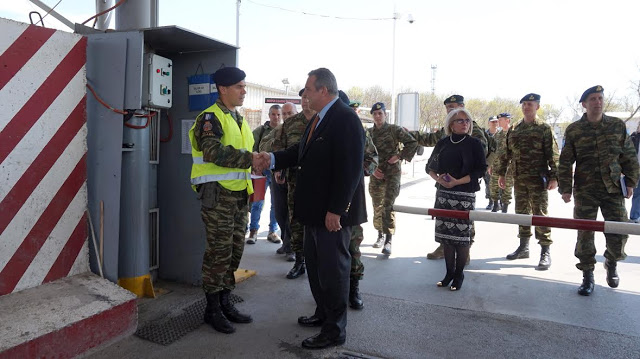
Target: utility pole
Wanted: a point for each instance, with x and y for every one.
(433, 78)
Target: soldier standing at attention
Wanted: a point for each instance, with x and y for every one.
(490, 133)
(532, 151)
(384, 184)
(431, 139)
(602, 151)
(221, 143)
(498, 195)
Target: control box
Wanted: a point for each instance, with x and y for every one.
(157, 82)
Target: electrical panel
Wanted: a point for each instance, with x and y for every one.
(157, 82)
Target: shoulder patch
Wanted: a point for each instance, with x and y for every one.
(208, 116)
(207, 126)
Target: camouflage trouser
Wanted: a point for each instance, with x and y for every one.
(487, 181)
(357, 268)
(383, 194)
(503, 195)
(587, 202)
(531, 198)
(224, 214)
(297, 229)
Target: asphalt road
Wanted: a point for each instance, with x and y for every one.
(506, 309)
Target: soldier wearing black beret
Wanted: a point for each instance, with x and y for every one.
(606, 172)
(532, 152)
(221, 147)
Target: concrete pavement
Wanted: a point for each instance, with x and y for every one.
(505, 309)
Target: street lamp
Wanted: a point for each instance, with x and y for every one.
(285, 82)
(410, 19)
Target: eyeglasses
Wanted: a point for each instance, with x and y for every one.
(462, 120)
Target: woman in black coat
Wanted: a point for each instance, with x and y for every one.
(457, 164)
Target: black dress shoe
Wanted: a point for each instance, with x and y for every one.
(321, 341)
(312, 321)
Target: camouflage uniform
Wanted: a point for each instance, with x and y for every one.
(602, 152)
(370, 165)
(387, 140)
(504, 195)
(491, 149)
(284, 136)
(224, 212)
(532, 151)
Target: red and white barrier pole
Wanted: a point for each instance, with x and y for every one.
(527, 220)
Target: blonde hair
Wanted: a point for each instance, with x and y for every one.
(452, 115)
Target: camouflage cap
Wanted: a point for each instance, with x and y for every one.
(378, 106)
(530, 97)
(590, 90)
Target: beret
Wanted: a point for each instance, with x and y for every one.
(228, 76)
(505, 114)
(377, 106)
(590, 90)
(454, 99)
(530, 97)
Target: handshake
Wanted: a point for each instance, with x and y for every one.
(260, 162)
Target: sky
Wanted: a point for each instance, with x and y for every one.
(482, 49)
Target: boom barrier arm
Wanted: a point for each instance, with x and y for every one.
(527, 220)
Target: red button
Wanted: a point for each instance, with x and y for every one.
(158, 71)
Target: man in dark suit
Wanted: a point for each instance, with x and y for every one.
(329, 199)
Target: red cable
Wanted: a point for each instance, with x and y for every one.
(170, 135)
(104, 103)
(148, 116)
(104, 12)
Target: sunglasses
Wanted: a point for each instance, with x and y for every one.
(462, 120)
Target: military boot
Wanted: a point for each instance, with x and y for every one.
(355, 301)
(490, 205)
(437, 254)
(496, 206)
(213, 314)
(298, 267)
(379, 241)
(612, 274)
(505, 208)
(230, 311)
(545, 258)
(387, 245)
(586, 288)
(522, 251)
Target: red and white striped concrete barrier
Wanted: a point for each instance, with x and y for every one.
(527, 220)
(43, 201)
(43, 192)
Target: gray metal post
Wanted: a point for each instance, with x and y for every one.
(133, 15)
(134, 203)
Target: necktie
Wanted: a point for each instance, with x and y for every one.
(313, 127)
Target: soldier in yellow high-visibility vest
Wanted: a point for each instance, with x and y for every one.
(221, 144)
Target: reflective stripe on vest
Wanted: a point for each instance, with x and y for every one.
(234, 179)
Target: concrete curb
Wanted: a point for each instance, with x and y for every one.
(65, 318)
